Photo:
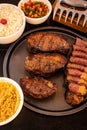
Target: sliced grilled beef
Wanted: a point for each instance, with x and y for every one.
(77, 66)
(79, 54)
(76, 76)
(76, 79)
(77, 60)
(80, 48)
(77, 88)
(81, 42)
(37, 87)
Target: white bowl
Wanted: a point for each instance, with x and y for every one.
(15, 25)
(5, 96)
(36, 21)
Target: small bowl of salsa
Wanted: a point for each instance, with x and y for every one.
(36, 11)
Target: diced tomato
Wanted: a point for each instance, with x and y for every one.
(32, 3)
(3, 21)
(42, 4)
(25, 5)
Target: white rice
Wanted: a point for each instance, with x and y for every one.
(14, 20)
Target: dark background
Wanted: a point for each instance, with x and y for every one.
(29, 120)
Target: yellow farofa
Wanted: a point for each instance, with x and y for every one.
(9, 100)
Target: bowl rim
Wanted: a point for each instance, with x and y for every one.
(17, 86)
(23, 17)
(50, 9)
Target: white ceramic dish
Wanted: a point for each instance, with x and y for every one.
(20, 99)
(15, 25)
(36, 21)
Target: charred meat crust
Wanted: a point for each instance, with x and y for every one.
(47, 42)
(44, 64)
(38, 87)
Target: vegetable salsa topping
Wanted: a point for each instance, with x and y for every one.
(34, 9)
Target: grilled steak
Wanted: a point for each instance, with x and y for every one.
(44, 64)
(76, 75)
(47, 42)
(37, 87)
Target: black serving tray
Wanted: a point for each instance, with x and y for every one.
(13, 67)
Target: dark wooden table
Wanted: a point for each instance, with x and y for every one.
(29, 120)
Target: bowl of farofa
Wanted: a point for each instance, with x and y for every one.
(12, 23)
(36, 11)
(11, 100)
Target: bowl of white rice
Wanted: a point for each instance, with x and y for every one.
(12, 23)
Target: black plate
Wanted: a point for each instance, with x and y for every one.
(13, 67)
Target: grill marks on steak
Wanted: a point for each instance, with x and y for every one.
(47, 42)
(37, 87)
(77, 74)
(44, 64)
